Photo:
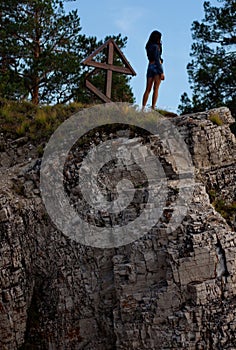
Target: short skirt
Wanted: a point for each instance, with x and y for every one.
(152, 70)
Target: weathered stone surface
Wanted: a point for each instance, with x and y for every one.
(163, 291)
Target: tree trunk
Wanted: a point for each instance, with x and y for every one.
(35, 77)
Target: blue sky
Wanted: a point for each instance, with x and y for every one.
(136, 20)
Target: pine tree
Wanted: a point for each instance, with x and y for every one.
(212, 71)
(10, 83)
(41, 49)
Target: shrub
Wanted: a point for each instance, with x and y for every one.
(215, 119)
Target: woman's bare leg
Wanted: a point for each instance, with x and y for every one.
(157, 81)
(147, 91)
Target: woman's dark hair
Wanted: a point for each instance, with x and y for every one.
(155, 37)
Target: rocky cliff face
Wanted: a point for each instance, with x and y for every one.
(166, 290)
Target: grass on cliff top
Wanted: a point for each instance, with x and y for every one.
(37, 123)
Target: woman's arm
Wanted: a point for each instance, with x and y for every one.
(158, 60)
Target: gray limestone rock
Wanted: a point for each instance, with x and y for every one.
(166, 290)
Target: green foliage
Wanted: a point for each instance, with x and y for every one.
(23, 128)
(40, 150)
(37, 123)
(215, 119)
(226, 209)
(166, 113)
(40, 45)
(212, 71)
(41, 49)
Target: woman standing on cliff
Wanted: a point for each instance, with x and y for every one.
(155, 70)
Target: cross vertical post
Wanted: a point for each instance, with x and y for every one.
(108, 66)
(110, 57)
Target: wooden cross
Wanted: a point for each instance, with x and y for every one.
(109, 67)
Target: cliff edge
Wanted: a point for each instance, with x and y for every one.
(165, 290)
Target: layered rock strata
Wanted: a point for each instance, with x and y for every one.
(167, 290)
